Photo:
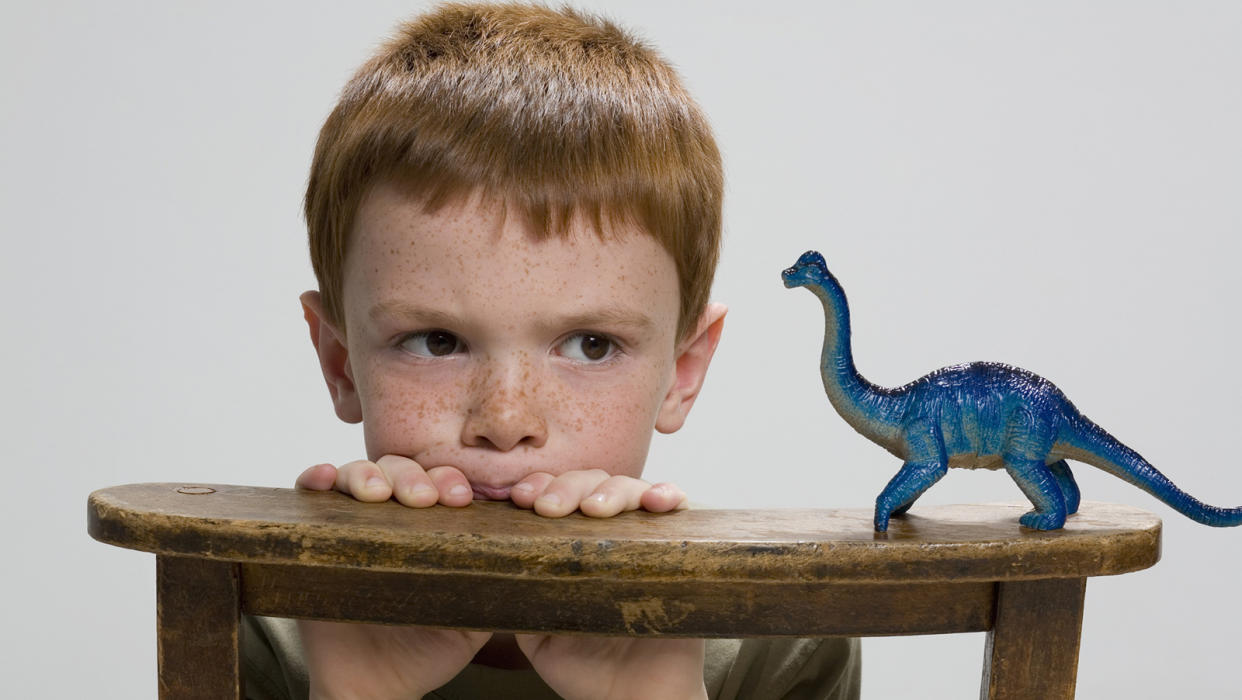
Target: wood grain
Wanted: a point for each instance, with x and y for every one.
(939, 543)
(630, 607)
(197, 613)
(223, 550)
(1032, 651)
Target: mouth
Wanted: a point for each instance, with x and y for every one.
(490, 493)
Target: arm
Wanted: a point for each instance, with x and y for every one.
(349, 661)
(618, 668)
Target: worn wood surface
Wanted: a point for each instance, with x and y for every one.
(686, 608)
(197, 613)
(1032, 650)
(938, 543)
(227, 549)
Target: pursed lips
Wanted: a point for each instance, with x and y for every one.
(490, 493)
(491, 476)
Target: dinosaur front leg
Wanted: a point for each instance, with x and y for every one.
(911, 481)
(1069, 488)
(1038, 483)
(926, 463)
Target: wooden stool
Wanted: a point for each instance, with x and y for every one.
(226, 550)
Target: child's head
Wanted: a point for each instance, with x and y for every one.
(557, 113)
(514, 217)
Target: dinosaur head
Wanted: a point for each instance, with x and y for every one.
(810, 268)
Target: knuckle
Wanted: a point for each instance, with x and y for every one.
(395, 462)
(440, 474)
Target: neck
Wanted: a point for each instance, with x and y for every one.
(871, 410)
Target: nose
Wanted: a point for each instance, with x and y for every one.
(505, 412)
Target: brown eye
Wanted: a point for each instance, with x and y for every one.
(440, 343)
(588, 347)
(432, 344)
(595, 347)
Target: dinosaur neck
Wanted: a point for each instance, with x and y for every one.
(873, 411)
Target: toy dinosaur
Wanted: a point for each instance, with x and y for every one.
(978, 415)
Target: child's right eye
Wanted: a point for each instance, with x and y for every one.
(432, 344)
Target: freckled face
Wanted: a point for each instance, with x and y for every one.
(476, 346)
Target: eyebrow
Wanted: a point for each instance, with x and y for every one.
(609, 316)
(603, 317)
(406, 311)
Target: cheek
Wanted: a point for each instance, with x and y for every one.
(609, 428)
(406, 415)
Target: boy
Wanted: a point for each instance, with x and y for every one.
(514, 218)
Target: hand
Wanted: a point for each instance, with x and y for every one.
(593, 491)
(391, 476)
(377, 662)
(617, 668)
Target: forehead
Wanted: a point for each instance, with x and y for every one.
(478, 250)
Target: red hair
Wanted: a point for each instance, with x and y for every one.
(558, 113)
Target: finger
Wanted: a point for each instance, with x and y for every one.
(617, 494)
(320, 477)
(410, 484)
(664, 497)
(566, 491)
(363, 480)
(451, 485)
(524, 492)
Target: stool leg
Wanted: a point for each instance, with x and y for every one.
(1032, 648)
(198, 613)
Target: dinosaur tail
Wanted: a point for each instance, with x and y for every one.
(1092, 444)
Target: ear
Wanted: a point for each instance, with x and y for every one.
(694, 354)
(333, 359)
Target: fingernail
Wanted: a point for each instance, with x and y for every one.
(376, 482)
(458, 491)
(598, 497)
(420, 489)
(523, 488)
(550, 499)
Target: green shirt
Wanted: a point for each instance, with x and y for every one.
(274, 668)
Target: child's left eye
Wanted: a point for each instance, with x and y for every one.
(588, 347)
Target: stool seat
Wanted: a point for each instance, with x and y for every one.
(224, 550)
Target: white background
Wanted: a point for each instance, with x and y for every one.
(1050, 184)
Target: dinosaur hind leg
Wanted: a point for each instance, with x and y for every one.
(1039, 484)
(1069, 488)
(911, 481)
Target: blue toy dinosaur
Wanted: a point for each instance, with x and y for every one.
(978, 415)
